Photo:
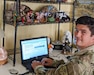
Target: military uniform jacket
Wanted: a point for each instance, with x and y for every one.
(81, 63)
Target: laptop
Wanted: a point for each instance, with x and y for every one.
(33, 49)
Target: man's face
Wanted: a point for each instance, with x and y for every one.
(83, 36)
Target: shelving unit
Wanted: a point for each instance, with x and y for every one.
(18, 2)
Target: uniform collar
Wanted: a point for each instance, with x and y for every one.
(89, 49)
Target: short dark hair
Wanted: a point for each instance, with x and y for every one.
(86, 20)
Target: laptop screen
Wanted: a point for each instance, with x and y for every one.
(33, 47)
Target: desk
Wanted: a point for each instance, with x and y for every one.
(4, 69)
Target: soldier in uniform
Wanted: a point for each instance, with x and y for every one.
(82, 62)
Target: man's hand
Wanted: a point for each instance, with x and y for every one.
(35, 63)
(47, 61)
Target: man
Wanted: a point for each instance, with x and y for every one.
(82, 62)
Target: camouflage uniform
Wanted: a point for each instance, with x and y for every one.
(81, 63)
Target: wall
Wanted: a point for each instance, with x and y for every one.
(23, 32)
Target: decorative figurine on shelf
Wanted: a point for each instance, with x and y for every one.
(39, 17)
(50, 46)
(26, 14)
(66, 47)
(29, 17)
(50, 17)
(46, 13)
(62, 17)
(42, 17)
(67, 42)
(36, 17)
(23, 19)
(69, 37)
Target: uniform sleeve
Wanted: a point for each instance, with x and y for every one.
(41, 70)
(62, 69)
(56, 63)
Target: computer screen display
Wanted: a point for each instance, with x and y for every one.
(35, 47)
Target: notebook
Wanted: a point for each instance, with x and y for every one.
(33, 49)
